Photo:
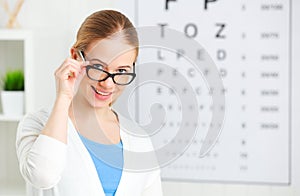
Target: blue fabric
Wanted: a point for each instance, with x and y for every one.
(108, 160)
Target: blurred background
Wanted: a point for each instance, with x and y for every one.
(255, 46)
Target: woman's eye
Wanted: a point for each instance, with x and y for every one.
(98, 66)
(122, 70)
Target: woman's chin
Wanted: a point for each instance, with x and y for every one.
(98, 104)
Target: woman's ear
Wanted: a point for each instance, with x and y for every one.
(73, 52)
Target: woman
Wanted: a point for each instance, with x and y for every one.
(78, 148)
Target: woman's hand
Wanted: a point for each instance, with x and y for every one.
(68, 77)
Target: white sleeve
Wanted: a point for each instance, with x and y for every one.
(41, 158)
(154, 185)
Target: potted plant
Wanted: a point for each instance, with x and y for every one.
(12, 95)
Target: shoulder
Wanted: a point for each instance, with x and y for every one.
(40, 115)
(139, 147)
(34, 121)
(137, 136)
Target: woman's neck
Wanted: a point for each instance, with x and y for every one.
(98, 124)
(80, 108)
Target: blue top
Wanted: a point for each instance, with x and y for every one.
(108, 160)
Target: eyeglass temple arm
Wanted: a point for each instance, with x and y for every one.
(81, 55)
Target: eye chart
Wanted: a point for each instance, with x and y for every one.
(249, 42)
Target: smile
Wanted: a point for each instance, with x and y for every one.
(100, 92)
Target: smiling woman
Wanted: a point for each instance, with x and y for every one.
(80, 147)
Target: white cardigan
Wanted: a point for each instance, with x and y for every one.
(52, 168)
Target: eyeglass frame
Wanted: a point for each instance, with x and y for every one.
(110, 75)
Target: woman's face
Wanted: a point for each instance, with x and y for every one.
(110, 55)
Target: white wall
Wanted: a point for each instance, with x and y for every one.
(54, 24)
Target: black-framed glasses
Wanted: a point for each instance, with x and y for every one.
(94, 72)
(97, 74)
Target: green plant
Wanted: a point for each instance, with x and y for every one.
(13, 80)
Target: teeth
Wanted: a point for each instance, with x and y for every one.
(102, 93)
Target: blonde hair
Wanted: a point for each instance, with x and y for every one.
(103, 24)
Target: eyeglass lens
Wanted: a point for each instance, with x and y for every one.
(101, 75)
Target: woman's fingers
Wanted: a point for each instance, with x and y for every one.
(76, 72)
(69, 69)
(68, 77)
(69, 72)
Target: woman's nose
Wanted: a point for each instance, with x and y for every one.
(108, 83)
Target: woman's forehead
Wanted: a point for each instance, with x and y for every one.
(109, 50)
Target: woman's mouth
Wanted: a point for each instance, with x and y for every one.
(100, 94)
